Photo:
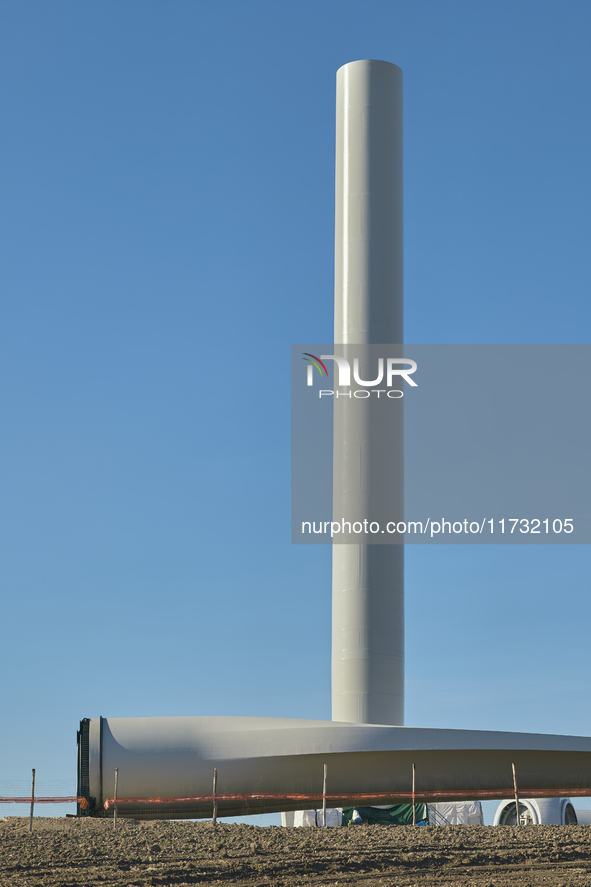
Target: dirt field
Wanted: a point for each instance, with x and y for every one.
(72, 852)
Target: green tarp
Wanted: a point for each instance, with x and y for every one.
(401, 814)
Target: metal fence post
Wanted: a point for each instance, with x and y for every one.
(32, 799)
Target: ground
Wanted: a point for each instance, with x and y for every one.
(80, 852)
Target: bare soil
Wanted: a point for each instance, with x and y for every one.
(74, 852)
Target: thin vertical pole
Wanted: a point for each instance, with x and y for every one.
(516, 796)
(32, 799)
(324, 795)
(115, 793)
(414, 806)
(215, 803)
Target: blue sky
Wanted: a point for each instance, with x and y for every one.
(167, 224)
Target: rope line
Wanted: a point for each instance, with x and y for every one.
(61, 800)
(404, 797)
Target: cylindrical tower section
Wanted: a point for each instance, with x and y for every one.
(368, 580)
(368, 204)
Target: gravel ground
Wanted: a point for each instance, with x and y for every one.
(74, 852)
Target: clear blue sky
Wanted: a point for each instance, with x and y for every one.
(167, 231)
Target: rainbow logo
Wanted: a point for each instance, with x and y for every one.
(315, 361)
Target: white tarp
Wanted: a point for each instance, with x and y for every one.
(334, 816)
(456, 813)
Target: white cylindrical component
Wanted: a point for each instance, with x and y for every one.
(368, 204)
(368, 580)
(537, 811)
